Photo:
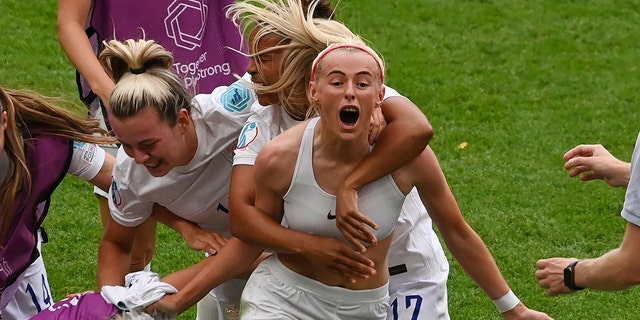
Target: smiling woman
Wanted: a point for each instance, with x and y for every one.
(175, 155)
(154, 143)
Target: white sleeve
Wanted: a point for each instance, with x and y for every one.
(224, 111)
(126, 207)
(631, 208)
(86, 160)
(254, 136)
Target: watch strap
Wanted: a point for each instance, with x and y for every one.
(570, 276)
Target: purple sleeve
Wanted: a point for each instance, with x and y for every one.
(89, 305)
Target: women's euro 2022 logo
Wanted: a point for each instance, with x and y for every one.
(115, 194)
(248, 135)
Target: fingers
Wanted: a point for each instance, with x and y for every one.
(581, 167)
(208, 242)
(362, 227)
(574, 171)
(574, 162)
(364, 234)
(339, 258)
(359, 222)
(353, 266)
(584, 150)
(351, 274)
(217, 241)
(366, 221)
(580, 162)
(374, 133)
(540, 264)
(550, 275)
(212, 247)
(590, 176)
(377, 124)
(348, 233)
(355, 230)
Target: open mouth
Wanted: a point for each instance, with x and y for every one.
(152, 165)
(349, 116)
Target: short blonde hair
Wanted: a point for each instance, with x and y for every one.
(142, 71)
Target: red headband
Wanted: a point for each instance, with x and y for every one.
(336, 46)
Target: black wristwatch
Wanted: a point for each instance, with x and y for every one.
(570, 277)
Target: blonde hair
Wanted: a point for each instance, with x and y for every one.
(142, 72)
(315, 66)
(27, 111)
(303, 37)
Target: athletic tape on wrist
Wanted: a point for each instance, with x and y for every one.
(506, 302)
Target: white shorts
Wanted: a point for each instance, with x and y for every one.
(417, 265)
(33, 293)
(221, 303)
(275, 292)
(419, 298)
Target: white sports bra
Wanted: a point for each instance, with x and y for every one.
(310, 209)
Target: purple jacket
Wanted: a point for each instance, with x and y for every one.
(197, 32)
(48, 159)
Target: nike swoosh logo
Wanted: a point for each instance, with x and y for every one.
(330, 216)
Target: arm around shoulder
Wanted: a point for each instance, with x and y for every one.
(404, 138)
(407, 134)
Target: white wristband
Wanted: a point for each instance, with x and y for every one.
(506, 302)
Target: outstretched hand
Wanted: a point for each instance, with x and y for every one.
(354, 226)
(593, 161)
(521, 312)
